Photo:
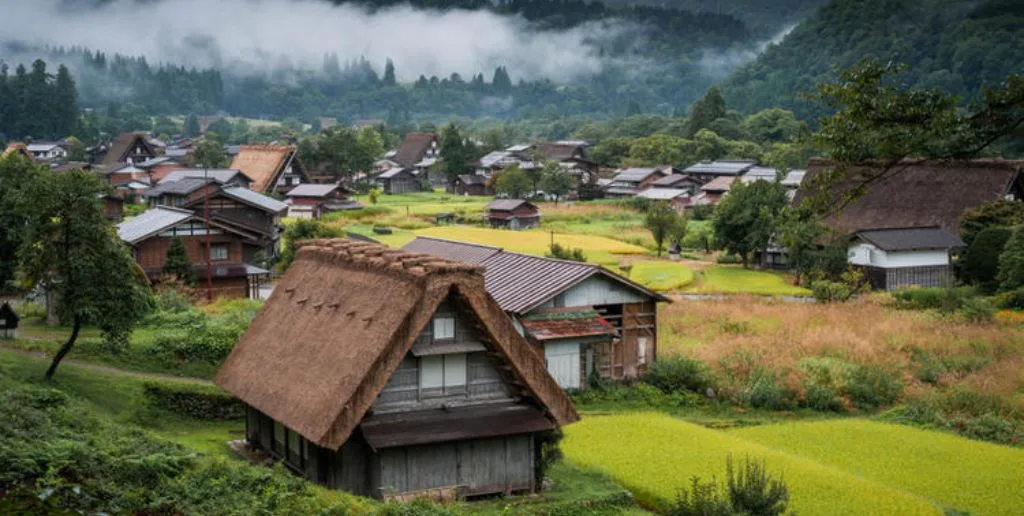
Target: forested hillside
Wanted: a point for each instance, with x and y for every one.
(956, 45)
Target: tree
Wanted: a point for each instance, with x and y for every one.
(76, 256)
(192, 129)
(556, 180)
(177, 263)
(660, 221)
(1011, 262)
(748, 217)
(772, 125)
(389, 73)
(371, 147)
(303, 230)
(209, 154)
(512, 182)
(16, 175)
(708, 109)
(457, 155)
(65, 104)
(981, 263)
(1000, 213)
(76, 150)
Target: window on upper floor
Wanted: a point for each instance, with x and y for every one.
(444, 327)
(219, 252)
(443, 375)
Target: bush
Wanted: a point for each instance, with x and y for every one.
(981, 264)
(193, 401)
(728, 259)
(946, 300)
(977, 310)
(208, 341)
(831, 291)
(679, 373)
(765, 390)
(871, 387)
(556, 250)
(1011, 300)
(702, 212)
(749, 490)
(823, 398)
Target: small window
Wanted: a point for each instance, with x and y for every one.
(641, 350)
(279, 438)
(443, 375)
(432, 372)
(444, 327)
(219, 252)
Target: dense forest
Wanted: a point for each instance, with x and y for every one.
(956, 45)
(37, 103)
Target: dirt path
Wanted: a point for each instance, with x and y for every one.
(107, 369)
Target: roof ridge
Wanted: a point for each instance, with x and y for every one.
(383, 259)
(461, 242)
(172, 208)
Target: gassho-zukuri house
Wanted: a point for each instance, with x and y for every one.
(388, 373)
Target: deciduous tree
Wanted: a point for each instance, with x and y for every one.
(512, 182)
(748, 217)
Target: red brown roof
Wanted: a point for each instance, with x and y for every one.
(563, 323)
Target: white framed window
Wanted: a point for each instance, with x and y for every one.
(641, 350)
(444, 327)
(443, 374)
(432, 372)
(454, 370)
(219, 252)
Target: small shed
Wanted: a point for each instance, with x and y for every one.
(398, 180)
(390, 374)
(899, 258)
(472, 184)
(8, 322)
(513, 214)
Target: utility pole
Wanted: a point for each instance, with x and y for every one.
(209, 242)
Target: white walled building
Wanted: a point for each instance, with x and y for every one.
(897, 258)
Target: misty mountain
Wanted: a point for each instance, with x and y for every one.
(763, 18)
(956, 45)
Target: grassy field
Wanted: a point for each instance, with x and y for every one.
(655, 455)
(735, 280)
(972, 477)
(597, 249)
(661, 276)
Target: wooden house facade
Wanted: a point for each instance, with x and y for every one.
(9, 320)
(312, 201)
(399, 180)
(273, 169)
(390, 374)
(904, 257)
(472, 184)
(513, 214)
(128, 148)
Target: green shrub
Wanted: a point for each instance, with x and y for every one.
(871, 387)
(748, 490)
(702, 212)
(831, 291)
(728, 259)
(823, 398)
(679, 373)
(981, 263)
(702, 499)
(193, 401)
(765, 390)
(640, 394)
(1011, 300)
(992, 428)
(977, 310)
(946, 300)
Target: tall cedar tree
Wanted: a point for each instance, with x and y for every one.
(705, 111)
(389, 73)
(177, 263)
(76, 256)
(192, 129)
(16, 175)
(456, 153)
(210, 154)
(749, 216)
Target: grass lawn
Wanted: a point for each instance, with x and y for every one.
(735, 280)
(429, 203)
(655, 455)
(661, 276)
(969, 476)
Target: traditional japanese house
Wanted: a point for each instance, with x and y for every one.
(706, 171)
(113, 208)
(311, 201)
(274, 169)
(513, 214)
(565, 309)
(398, 180)
(18, 148)
(122, 174)
(678, 181)
(150, 235)
(8, 322)
(415, 148)
(677, 198)
(128, 148)
(222, 176)
(389, 374)
(257, 215)
(713, 192)
(631, 181)
(903, 257)
(48, 151)
(472, 184)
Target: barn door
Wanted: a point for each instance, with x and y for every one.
(563, 359)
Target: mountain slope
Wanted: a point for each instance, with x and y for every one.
(956, 45)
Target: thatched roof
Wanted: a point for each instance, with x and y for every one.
(913, 195)
(123, 145)
(340, 322)
(18, 148)
(413, 148)
(263, 163)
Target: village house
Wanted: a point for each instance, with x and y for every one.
(631, 181)
(398, 180)
(18, 148)
(392, 374)
(8, 322)
(274, 169)
(791, 180)
(223, 176)
(157, 168)
(122, 174)
(256, 215)
(150, 234)
(565, 308)
(113, 208)
(516, 155)
(130, 148)
(677, 198)
(912, 201)
(713, 192)
(512, 214)
(419, 153)
(678, 181)
(472, 184)
(706, 171)
(48, 151)
(312, 201)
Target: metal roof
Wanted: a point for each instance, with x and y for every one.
(721, 167)
(672, 179)
(520, 282)
(42, 146)
(794, 178)
(909, 239)
(223, 175)
(311, 190)
(766, 173)
(662, 194)
(506, 204)
(255, 199)
(150, 222)
(152, 162)
(635, 175)
(719, 184)
(391, 172)
(563, 323)
(183, 187)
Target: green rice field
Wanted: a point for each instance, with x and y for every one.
(736, 280)
(661, 276)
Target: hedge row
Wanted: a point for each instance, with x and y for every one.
(196, 402)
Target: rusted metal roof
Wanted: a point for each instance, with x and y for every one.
(563, 323)
(452, 424)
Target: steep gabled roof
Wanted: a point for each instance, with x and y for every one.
(913, 194)
(413, 148)
(18, 148)
(263, 164)
(340, 322)
(124, 143)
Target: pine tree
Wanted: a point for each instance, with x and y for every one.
(389, 73)
(177, 263)
(501, 84)
(65, 104)
(705, 111)
(192, 126)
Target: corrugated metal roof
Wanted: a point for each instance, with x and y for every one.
(719, 184)
(794, 178)
(721, 167)
(221, 175)
(259, 200)
(451, 250)
(183, 187)
(311, 190)
(634, 175)
(672, 179)
(909, 239)
(150, 222)
(662, 194)
(506, 204)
